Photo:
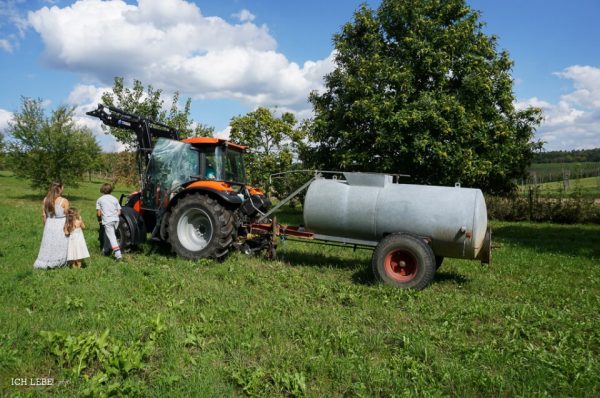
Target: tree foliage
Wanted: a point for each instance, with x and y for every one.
(2, 148)
(579, 155)
(116, 166)
(420, 89)
(274, 144)
(148, 102)
(44, 149)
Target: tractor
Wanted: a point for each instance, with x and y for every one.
(193, 192)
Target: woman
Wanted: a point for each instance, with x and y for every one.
(53, 250)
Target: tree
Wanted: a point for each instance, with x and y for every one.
(116, 168)
(44, 149)
(420, 89)
(148, 103)
(2, 147)
(274, 143)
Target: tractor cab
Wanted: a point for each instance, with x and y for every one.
(198, 163)
(219, 160)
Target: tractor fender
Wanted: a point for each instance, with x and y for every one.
(225, 197)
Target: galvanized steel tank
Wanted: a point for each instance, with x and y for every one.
(368, 206)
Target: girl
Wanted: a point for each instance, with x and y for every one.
(53, 250)
(77, 248)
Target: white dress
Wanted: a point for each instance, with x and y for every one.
(53, 250)
(77, 247)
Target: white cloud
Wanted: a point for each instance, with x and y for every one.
(586, 80)
(86, 95)
(244, 16)
(86, 98)
(6, 45)
(12, 24)
(224, 134)
(5, 117)
(172, 46)
(573, 122)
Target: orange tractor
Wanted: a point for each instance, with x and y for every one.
(193, 192)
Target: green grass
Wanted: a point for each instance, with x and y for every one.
(310, 324)
(584, 187)
(555, 171)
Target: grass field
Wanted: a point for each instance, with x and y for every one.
(310, 324)
(584, 188)
(547, 172)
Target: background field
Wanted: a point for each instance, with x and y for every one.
(584, 187)
(581, 180)
(548, 172)
(310, 324)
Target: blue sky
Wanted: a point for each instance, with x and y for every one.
(231, 56)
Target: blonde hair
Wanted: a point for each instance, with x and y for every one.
(71, 216)
(53, 193)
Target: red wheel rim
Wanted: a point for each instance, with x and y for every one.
(401, 265)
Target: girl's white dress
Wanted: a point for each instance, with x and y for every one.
(53, 250)
(77, 248)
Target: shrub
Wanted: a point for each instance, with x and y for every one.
(564, 210)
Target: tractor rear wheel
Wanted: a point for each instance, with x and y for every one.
(199, 227)
(405, 261)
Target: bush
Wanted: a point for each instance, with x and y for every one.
(564, 210)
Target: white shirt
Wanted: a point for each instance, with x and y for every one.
(110, 207)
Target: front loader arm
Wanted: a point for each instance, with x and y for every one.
(145, 129)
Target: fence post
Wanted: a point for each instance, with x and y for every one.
(566, 179)
(530, 203)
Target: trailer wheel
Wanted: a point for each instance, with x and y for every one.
(199, 227)
(404, 261)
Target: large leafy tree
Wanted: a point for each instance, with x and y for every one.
(420, 89)
(274, 143)
(148, 102)
(44, 148)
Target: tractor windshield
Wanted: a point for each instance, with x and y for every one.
(171, 164)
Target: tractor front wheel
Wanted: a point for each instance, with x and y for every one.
(404, 261)
(199, 227)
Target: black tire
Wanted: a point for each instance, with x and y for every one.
(124, 236)
(404, 261)
(199, 227)
(438, 262)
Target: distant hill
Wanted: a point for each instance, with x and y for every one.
(583, 155)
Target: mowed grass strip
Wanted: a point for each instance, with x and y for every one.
(312, 323)
(583, 187)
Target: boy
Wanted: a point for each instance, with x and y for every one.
(108, 211)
